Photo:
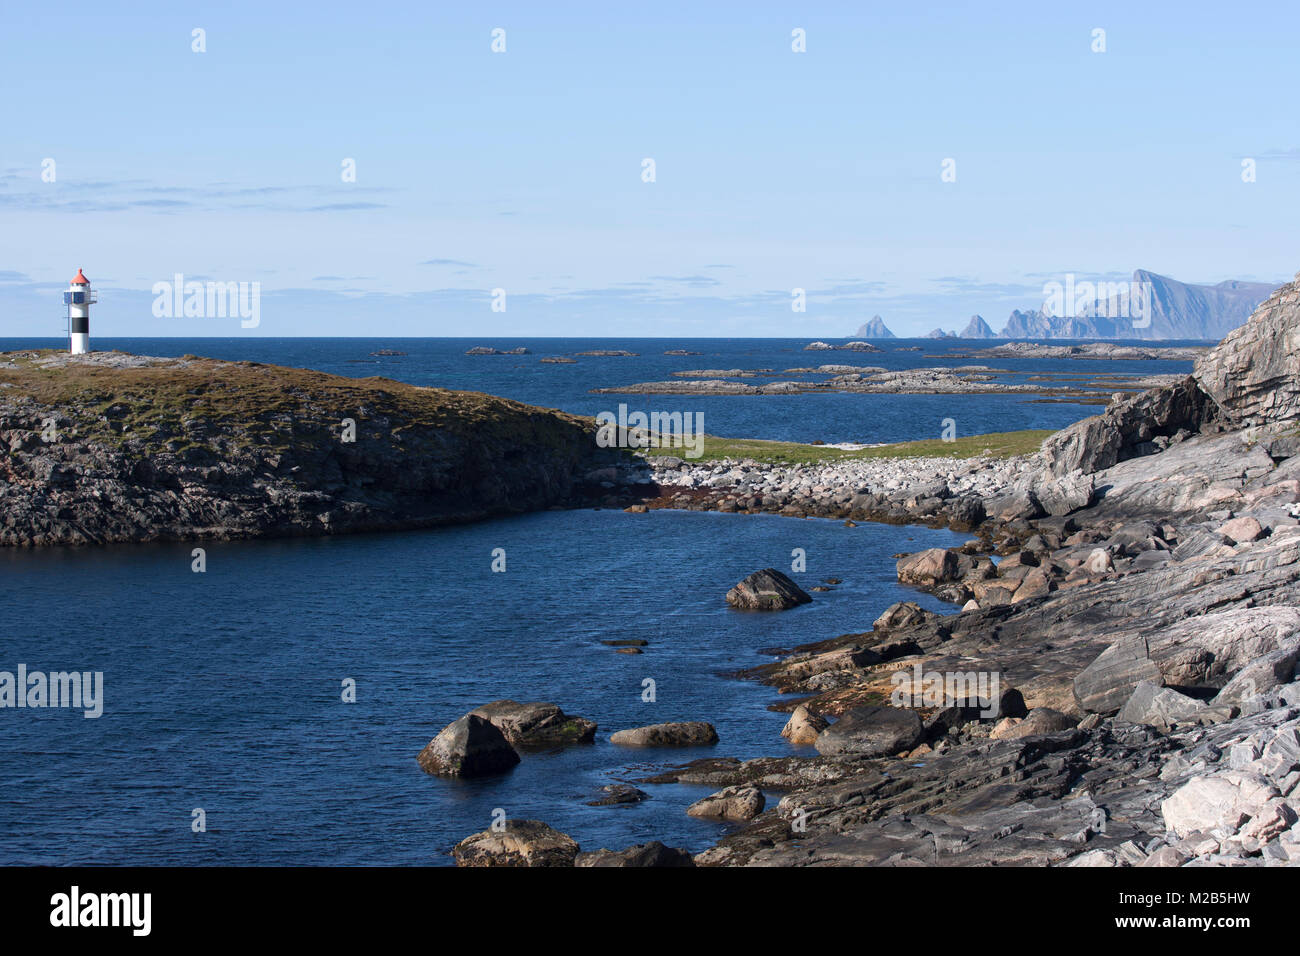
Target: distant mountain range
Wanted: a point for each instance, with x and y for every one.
(1150, 306)
(875, 329)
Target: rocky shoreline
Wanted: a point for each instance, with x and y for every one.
(1131, 598)
(1108, 351)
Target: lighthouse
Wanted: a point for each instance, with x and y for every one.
(78, 299)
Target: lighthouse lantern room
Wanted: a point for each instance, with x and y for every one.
(78, 299)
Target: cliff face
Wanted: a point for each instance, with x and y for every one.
(113, 447)
(1180, 310)
(1254, 373)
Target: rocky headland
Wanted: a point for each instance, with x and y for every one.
(110, 447)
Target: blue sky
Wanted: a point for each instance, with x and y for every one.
(522, 170)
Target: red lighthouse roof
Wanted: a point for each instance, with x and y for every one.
(80, 279)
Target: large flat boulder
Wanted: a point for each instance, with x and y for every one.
(767, 590)
(469, 747)
(536, 725)
(872, 732)
(519, 843)
(690, 733)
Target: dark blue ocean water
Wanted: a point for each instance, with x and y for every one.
(223, 689)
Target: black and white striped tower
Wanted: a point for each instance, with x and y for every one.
(78, 298)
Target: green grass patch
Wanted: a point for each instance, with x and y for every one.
(995, 444)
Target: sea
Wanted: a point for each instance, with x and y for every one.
(269, 709)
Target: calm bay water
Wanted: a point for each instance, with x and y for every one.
(223, 689)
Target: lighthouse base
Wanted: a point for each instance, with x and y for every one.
(79, 343)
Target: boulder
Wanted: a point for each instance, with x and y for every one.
(1067, 493)
(517, 843)
(1224, 800)
(653, 853)
(901, 614)
(1262, 675)
(469, 747)
(1104, 685)
(872, 732)
(1273, 819)
(1159, 707)
(732, 803)
(693, 733)
(966, 514)
(1281, 755)
(929, 568)
(803, 726)
(537, 724)
(1041, 720)
(1242, 530)
(1251, 374)
(767, 590)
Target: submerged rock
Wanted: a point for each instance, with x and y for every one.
(653, 853)
(519, 843)
(619, 794)
(767, 590)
